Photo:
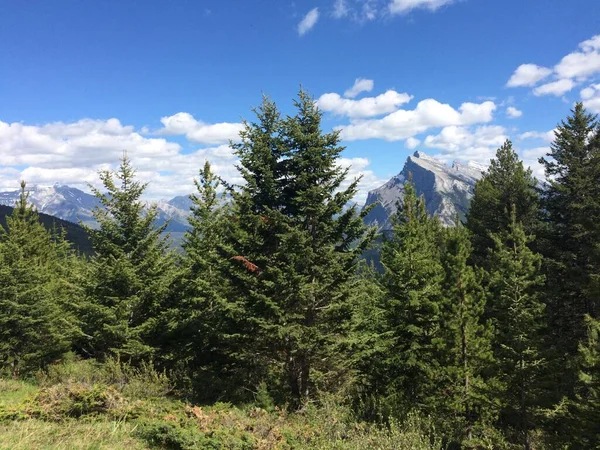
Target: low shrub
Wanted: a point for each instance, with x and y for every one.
(174, 436)
(141, 382)
(74, 400)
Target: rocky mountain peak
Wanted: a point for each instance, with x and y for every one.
(447, 189)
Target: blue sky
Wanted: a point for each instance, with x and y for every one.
(169, 81)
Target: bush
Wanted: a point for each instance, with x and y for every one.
(74, 400)
(174, 436)
(141, 382)
(167, 436)
(263, 398)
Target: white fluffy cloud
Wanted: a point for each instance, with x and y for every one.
(547, 136)
(528, 75)
(583, 63)
(308, 22)
(360, 85)
(591, 97)
(72, 153)
(428, 114)
(467, 143)
(513, 112)
(405, 6)
(85, 142)
(572, 69)
(557, 88)
(199, 132)
(530, 159)
(589, 92)
(365, 107)
(358, 167)
(411, 143)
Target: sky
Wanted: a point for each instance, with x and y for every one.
(170, 81)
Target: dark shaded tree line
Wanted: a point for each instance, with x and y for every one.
(490, 328)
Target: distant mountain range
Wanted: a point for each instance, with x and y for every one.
(74, 205)
(74, 233)
(447, 189)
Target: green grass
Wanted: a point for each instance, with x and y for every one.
(67, 435)
(79, 405)
(14, 392)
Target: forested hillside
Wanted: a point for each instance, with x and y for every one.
(74, 233)
(268, 331)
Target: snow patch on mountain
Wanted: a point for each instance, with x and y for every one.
(71, 204)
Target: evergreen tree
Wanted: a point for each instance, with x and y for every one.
(515, 282)
(131, 271)
(583, 415)
(368, 342)
(251, 238)
(571, 205)
(201, 241)
(294, 248)
(37, 324)
(413, 279)
(469, 352)
(200, 326)
(505, 183)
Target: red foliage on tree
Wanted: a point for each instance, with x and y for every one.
(249, 264)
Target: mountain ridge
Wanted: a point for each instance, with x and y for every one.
(75, 206)
(447, 189)
(74, 233)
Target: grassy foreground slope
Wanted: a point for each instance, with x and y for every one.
(84, 405)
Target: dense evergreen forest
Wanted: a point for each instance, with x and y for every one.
(489, 331)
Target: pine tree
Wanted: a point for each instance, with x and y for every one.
(571, 205)
(200, 324)
(413, 278)
(515, 285)
(468, 340)
(583, 414)
(37, 324)
(131, 271)
(251, 238)
(505, 183)
(368, 342)
(295, 248)
(201, 241)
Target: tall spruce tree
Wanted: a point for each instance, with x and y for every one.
(368, 342)
(571, 205)
(504, 184)
(583, 411)
(131, 271)
(200, 323)
(515, 286)
(37, 292)
(415, 307)
(294, 248)
(251, 239)
(469, 338)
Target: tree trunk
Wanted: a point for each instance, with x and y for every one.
(524, 418)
